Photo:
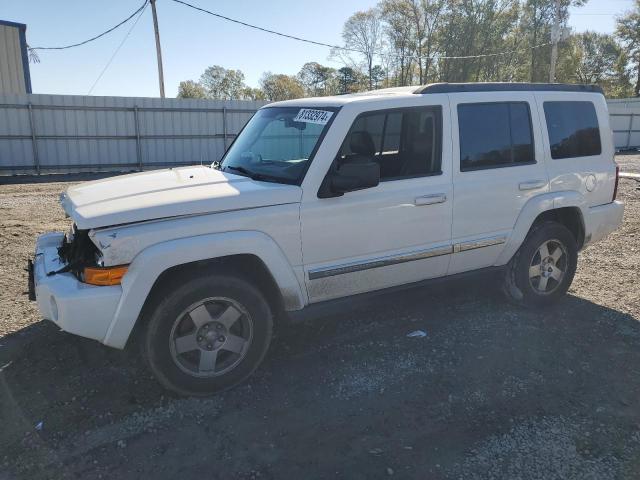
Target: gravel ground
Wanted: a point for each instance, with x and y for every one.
(492, 391)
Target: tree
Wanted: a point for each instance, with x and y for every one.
(223, 84)
(377, 76)
(422, 19)
(628, 31)
(250, 93)
(595, 58)
(347, 80)
(315, 78)
(363, 32)
(471, 29)
(400, 42)
(191, 89)
(278, 87)
(539, 18)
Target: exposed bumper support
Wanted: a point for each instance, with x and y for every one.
(76, 307)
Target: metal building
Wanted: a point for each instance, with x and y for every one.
(75, 133)
(625, 122)
(14, 59)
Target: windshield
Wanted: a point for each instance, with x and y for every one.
(277, 144)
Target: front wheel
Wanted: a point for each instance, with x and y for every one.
(543, 268)
(208, 335)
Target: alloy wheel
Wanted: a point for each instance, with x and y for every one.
(211, 337)
(548, 267)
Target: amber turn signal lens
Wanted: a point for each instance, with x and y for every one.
(104, 275)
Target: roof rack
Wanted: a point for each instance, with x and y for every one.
(506, 87)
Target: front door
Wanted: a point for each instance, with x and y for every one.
(396, 233)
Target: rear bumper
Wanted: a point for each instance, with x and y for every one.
(602, 220)
(76, 307)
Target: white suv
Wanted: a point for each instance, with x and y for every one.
(330, 197)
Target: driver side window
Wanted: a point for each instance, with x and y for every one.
(406, 143)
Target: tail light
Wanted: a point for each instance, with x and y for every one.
(615, 187)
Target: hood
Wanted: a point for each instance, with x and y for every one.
(169, 193)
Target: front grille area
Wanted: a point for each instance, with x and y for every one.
(78, 251)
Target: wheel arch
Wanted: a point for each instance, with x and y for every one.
(566, 208)
(253, 255)
(570, 217)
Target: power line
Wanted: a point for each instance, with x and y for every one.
(118, 48)
(347, 49)
(144, 4)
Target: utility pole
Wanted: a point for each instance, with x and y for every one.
(158, 50)
(555, 38)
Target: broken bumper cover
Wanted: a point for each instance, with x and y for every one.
(76, 307)
(603, 220)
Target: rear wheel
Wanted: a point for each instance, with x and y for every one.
(207, 335)
(543, 268)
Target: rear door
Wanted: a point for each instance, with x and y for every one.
(497, 167)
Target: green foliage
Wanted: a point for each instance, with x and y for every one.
(316, 79)
(592, 57)
(347, 80)
(278, 87)
(628, 31)
(191, 89)
(410, 42)
(223, 84)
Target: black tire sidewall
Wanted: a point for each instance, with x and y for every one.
(165, 313)
(540, 234)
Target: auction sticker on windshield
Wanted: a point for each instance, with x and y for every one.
(309, 115)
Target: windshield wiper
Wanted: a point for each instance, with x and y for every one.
(242, 170)
(254, 175)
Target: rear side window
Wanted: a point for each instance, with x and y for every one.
(495, 135)
(573, 129)
(406, 143)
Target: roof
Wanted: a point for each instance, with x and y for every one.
(506, 87)
(8, 23)
(340, 100)
(436, 88)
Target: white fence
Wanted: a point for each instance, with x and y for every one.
(68, 134)
(625, 122)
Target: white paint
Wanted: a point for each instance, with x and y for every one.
(157, 220)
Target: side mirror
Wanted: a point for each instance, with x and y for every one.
(354, 176)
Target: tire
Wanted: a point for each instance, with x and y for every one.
(535, 280)
(207, 335)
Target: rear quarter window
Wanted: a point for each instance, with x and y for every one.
(573, 129)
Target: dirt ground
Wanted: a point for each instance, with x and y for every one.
(492, 391)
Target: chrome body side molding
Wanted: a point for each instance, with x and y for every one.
(340, 269)
(378, 262)
(479, 243)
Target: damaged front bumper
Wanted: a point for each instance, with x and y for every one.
(76, 307)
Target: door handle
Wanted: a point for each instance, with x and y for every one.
(532, 184)
(430, 199)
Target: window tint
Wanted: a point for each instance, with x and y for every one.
(494, 135)
(573, 129)
(405, 143)
(392, 132)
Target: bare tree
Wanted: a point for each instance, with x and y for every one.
(399, 32)
(363, 32)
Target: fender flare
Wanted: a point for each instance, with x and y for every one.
(532, 209)
(147, 266)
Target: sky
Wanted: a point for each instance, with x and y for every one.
(192, 41)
